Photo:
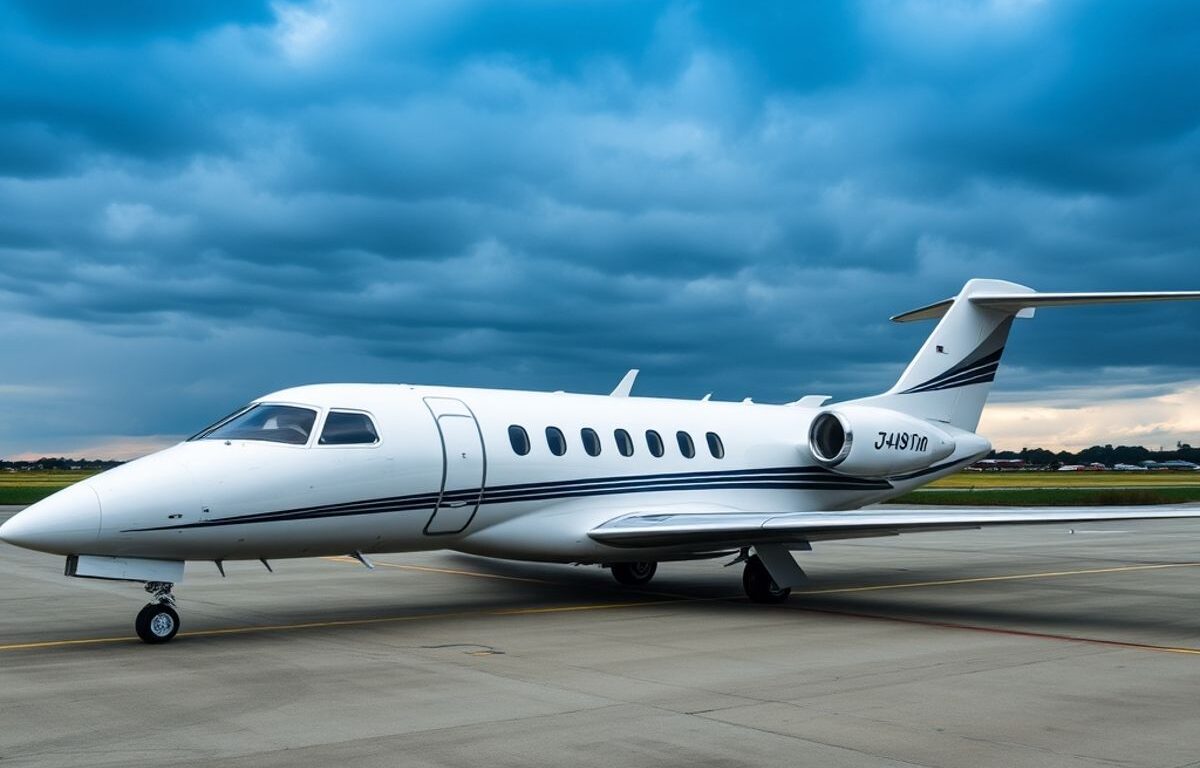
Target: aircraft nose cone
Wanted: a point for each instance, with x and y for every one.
(64, 523)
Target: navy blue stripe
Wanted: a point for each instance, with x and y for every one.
(495, 493)
(931, 470)
(798, 478)
(972, 377)
(310, 515)
(964, 374)
(963, 368)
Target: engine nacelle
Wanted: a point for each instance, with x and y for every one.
(874, 442)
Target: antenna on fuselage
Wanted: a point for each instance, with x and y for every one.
(626, 385)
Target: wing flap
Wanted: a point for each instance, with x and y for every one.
(748, 528)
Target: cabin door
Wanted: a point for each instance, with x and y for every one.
(463, 465)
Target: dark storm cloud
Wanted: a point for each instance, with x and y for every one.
(200, 203)
(91, 23)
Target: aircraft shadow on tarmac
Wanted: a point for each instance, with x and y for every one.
(1088, 604)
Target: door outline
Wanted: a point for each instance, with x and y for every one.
(452, 407)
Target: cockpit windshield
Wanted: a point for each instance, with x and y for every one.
(275, 423)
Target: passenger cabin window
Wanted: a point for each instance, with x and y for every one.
(347, 428)
(556, 441)
(654, 443)
(624, 442)
(715, 446)
(686, 447)
(272, 423)
(519, 439)
(591, 441)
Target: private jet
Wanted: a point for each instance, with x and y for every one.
(617, 481)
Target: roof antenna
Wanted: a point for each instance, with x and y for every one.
(626, 385)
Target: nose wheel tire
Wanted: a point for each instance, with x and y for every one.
(759, 585)
(157, 623)
(634, 574)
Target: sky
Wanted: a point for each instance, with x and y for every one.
(202, 202)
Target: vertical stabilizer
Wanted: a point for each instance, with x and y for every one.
(951, 376)
(949, 379)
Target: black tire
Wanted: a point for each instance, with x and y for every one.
(634, 574)
(759, 585)
(156, 623)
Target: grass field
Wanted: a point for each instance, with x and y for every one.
(1004, 489)
(28, 487)
(1047, 489)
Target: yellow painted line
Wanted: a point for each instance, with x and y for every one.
(1010, 632)
(983, 579)
(671, 600)
(450, 571)
(63, 643)
(341, 623)
(596, 606)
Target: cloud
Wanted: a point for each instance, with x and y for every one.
(542, 195)
(1159, 421)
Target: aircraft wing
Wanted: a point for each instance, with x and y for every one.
(735, 529)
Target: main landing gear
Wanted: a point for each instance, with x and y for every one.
(634, 574)
(158, 621)
(759, 585)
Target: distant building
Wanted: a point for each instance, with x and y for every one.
(1175, 464)
(999, 464)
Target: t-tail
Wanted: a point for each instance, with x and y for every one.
(950, 378)
(925, 424)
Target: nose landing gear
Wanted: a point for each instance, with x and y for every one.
(158, 621)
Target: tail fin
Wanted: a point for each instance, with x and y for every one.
(951, 376)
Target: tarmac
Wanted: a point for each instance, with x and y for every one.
(1031, 646)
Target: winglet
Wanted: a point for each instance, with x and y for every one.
(626, 386)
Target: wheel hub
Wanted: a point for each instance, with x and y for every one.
(162, 624)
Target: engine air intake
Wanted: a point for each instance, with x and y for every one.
(830, 439)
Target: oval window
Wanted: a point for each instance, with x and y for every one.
(654, 443)
(715, 446)
(556, 441)
(519, 439)
(624, 442)
(686, 447)
(591, 441)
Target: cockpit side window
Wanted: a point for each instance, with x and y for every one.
(273, 423)
(348, 428)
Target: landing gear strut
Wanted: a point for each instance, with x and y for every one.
(158, 622)
(634, 574)
(759, 585)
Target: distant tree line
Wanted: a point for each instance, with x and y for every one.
(59, 462)
(1104, 454)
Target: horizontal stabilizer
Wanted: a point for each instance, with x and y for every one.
(708, 531)
(1015, 302)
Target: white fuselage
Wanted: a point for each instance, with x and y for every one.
(444, 475)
